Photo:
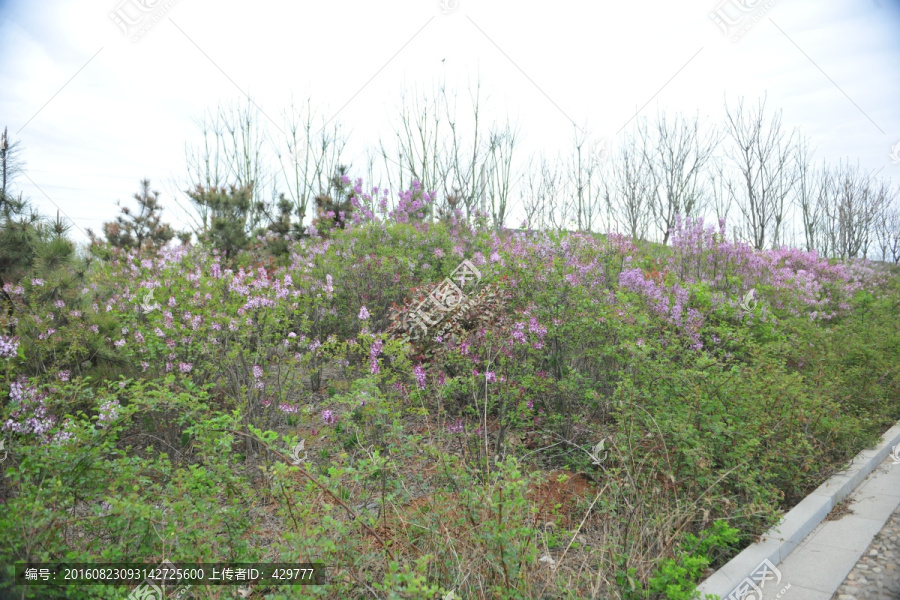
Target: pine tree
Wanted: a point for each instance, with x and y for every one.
(143, 230)
(225, 217)
(335, 209)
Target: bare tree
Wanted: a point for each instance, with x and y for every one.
(676, 154)
(231, 155)
(244, 156)
(476, 174)
(764, 157)
(541, 186)
(307, 159)
(500, 156)
(418, 143)
(628, 188)
(716, 189)
(809, 198)
(463, 164)
(583, 173)
(887, 227)
(852, 203)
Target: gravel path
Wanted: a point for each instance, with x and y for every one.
(877, 574)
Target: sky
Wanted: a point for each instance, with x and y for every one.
(104, 93)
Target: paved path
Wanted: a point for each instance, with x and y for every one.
(838, 553)
(877, 574)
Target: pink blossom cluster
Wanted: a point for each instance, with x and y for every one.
(419, 373)
(374, 351)
(9, 346)
(29, 414)
(797, 282)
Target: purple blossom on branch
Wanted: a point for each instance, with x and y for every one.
(9, 346)
(419, 372)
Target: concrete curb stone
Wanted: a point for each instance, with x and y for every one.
(776, 544)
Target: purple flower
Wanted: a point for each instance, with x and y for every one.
(185, 367)
(257, 372)
(374, 351)
(9, 346)
(171, 301)
(363, 314)
(327, 417)
(37, 282)
(491, 378)
(458, 428)
(287, 408)
(119, 343)
(29, 414)
(419, 372)
(537, 328)
(60, 304)
(63, 375)
(109, 410)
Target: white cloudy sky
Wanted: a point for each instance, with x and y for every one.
(96, 112)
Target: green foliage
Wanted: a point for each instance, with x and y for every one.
(225, 217)
(143, 230)
(675, 577)
(429, 467)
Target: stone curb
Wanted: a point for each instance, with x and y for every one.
(777, 543)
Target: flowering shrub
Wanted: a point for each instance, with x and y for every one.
(29, 413)
(568, 340)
